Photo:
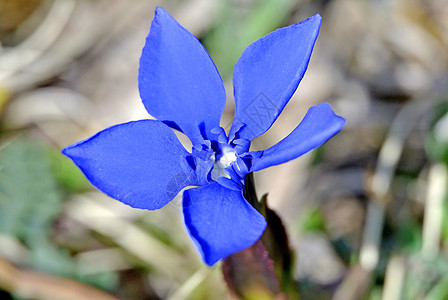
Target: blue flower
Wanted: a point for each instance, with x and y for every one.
(142, 163)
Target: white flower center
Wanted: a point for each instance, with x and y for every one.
(227, 158)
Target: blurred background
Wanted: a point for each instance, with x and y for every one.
(366, 213)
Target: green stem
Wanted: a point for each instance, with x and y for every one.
(249, 192)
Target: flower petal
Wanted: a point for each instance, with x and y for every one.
(140, 163)
(178, 81)
(319, 124)
(220, 221)
(268, 73)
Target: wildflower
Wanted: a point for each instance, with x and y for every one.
(143, 164)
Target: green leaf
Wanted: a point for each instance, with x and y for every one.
(437, 142)
(313, 221)
(250, 274)
(410, 236)
(276, 242)
(425, 276)
(30, 199)
(67, 173)
(270, 258)
(235, 30)
(439, 291)
(445, 220)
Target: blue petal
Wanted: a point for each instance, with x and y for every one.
(268, 73)
(220, 221)
(140, 163)
(178, 81)
(319, 124)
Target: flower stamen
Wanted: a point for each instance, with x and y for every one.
(228, 156)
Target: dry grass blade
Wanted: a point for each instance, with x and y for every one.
(395, 275)
(432, 225)
(36, 285)
(127, 235)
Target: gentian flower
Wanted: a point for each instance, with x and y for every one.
(142, 163)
